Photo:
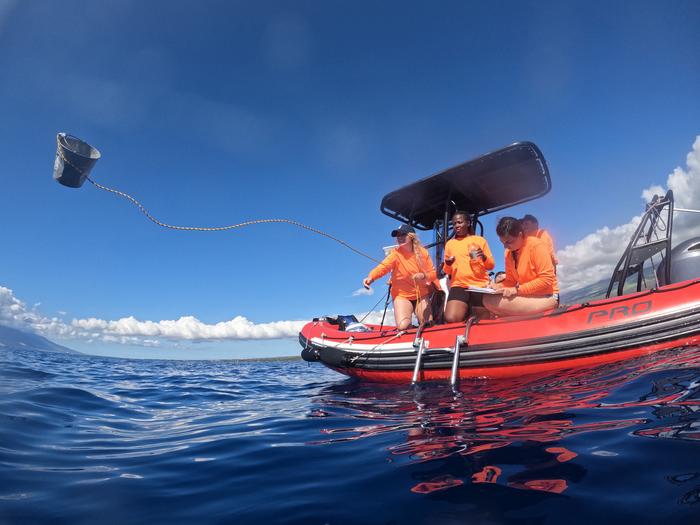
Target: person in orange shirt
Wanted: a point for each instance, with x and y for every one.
(467, 262)
(413, 277)
(531, 227)
(530, 285)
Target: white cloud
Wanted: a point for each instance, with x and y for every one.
(375, 317)
(593, 258)
(363, 291)
(17, 314)
(190, 328)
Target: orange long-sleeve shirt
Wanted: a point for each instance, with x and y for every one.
(403, 267)
(466, 271)
(544, 236)
(534, 272)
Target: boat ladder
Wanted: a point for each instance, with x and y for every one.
(460, 341)
(420, 344)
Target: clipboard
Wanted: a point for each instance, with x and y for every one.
(479, 289)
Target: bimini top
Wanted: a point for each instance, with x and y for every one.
(515, 174)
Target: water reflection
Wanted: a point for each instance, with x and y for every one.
(520, 433)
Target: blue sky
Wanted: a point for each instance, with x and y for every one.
(213, 113)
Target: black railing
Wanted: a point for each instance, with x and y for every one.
(652, 236)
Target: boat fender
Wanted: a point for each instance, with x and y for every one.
(309, 354)
(335, 357)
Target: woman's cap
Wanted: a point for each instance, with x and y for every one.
(402, 230)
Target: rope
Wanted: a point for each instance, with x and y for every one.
(375, 347)
(230, 227)
(204, 228)
(375, 305)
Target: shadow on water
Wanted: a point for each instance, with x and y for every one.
(507, 444)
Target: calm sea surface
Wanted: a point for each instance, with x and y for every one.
(94, 440)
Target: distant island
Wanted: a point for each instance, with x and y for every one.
(280, 358)
(17, 339)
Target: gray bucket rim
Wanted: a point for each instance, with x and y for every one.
(94, 152)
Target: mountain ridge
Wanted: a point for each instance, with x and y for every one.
(18, 339)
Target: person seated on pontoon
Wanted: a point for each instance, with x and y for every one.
(531, 227)
(413, 277)
(530, 285)
(467, 262)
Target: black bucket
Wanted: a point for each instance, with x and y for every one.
(74, 160)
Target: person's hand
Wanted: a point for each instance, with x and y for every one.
(418, 276)
(477, 254)
(510, 291)
(366, 283)
(449, 260)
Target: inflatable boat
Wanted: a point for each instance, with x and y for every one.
(633, 320)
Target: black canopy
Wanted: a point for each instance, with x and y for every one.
(515, 174)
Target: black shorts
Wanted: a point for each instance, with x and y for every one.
(463, 294)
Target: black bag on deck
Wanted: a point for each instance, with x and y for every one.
(345, 320)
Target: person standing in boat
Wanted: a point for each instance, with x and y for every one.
(531, 227)
(467, 262)
(413, 277)
(530, 285)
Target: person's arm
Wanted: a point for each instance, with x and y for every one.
(547, 239)
(511, 278)
(489, 263)
(381, 269)
(448, 261)
(543, 282)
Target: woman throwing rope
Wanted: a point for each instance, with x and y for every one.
(412, 277)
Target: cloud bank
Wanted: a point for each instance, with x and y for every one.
(593, 258)
(189, 328)
(128, 330)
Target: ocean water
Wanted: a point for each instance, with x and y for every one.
(95, 440)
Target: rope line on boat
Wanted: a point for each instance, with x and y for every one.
(367, 353)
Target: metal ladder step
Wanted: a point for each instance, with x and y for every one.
(460, 341)
(419, 358)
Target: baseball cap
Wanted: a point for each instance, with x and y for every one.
(402, 230)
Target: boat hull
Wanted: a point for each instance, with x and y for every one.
(589, 334)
